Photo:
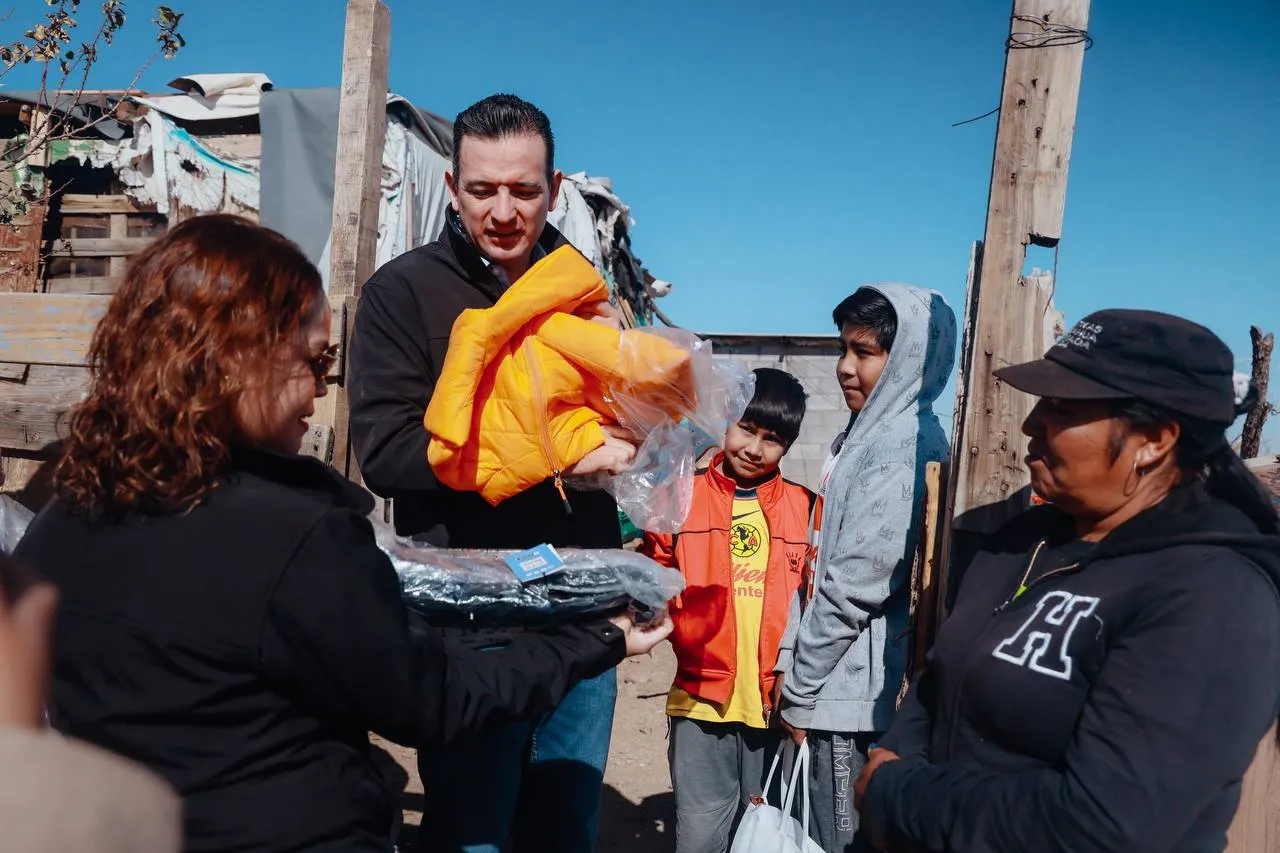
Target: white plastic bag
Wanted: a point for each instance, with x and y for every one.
(765, 829)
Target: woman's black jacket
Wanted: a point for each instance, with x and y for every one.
(244, 650)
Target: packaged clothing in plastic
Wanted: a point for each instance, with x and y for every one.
(14, 518)
(473, 588)
(657, 488)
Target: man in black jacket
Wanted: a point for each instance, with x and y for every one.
(541, 783)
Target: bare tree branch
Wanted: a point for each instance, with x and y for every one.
(1251, 440)
(50, 44)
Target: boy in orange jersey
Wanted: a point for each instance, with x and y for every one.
(742, 552)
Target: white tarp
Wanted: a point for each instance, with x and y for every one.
(572, 217)
(207, 97)
(414, 199)
(187, 172)
(602, 188)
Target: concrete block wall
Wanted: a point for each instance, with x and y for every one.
(812, 360)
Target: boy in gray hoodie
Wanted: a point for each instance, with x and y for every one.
(845, 649)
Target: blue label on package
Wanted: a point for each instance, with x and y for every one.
(535, 563)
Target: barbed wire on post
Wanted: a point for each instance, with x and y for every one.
(1050, 35)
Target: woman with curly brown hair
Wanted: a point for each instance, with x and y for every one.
(226, 617)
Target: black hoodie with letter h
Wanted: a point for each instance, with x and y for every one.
(1104, 698)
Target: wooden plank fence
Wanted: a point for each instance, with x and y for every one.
(44, 340)
(96, 236)
(1257, 825)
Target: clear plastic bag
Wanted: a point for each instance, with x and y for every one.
(671, 425)
(472, 588)
(14, 518)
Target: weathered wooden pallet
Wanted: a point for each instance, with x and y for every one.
(44, 340)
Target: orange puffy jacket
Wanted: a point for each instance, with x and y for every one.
(705, 639)
(523, 392)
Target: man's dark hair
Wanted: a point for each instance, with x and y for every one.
(778, 404)
(498, 116)
(868, 308)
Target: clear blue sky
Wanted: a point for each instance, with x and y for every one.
(774, 158)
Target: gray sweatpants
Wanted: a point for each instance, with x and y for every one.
(716, 768)
(835, 761)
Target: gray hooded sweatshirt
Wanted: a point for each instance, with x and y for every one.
(844, 654)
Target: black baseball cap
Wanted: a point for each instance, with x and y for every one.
(1122, 354)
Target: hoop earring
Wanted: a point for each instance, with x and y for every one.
(1137, 474)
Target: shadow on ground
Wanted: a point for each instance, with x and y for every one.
(625, 827)
(397, 779)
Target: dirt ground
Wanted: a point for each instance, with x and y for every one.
(638, 810)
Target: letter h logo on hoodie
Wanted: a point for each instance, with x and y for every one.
(1041, 643)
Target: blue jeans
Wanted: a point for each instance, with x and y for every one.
(536, 784)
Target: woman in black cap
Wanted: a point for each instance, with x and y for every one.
(1113, 659)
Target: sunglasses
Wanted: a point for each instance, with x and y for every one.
(323, 363)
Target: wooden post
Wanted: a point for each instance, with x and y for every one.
(1008, 314)
(38, 142)
(945, 585)
(1251, 441)
(925, 601)
(357, 187)
(1256, 828)
(119, 230)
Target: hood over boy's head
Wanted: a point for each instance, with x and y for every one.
(869, 311)
(898, 345)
